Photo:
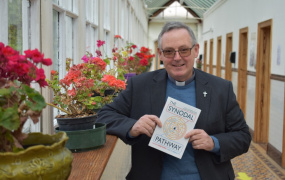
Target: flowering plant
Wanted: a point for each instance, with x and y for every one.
(18, 101)
(127, 59)
(82, 90)
(130, 61)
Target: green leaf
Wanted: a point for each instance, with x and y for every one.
(5, 92)
(35, 102)
(107, 61)
(9, 118)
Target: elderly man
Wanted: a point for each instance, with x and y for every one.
(220, 134)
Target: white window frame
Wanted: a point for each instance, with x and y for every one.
(63, 14)
(92, 15)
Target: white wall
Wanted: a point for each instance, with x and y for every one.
(229, 16)
(232, 15)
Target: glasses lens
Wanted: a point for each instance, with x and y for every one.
(168, 53)
(184, 52)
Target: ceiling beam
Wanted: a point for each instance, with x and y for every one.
(162, 9)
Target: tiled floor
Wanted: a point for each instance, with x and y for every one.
(253, 165)
(257, 165)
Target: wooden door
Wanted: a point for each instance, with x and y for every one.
(262, 91)
(228, 64)
(242, 69)
(219, 56)
(211, 56)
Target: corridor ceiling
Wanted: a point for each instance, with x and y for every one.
(195, 7)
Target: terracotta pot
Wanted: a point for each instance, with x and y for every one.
(45, 157)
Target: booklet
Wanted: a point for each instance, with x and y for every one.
(177, 119)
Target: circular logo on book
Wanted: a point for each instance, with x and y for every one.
(174, 128)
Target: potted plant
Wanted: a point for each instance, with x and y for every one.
(132, 62)
(79, 95)
(33, 155)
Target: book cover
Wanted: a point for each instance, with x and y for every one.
(177, 119)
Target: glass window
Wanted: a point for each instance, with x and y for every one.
(69, 37)
(55, 2)
(15, 24)
(107, 46)
(107, 14)
(55, 63)
(91, 39)
(122, 19)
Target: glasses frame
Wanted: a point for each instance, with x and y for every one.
(179, 52)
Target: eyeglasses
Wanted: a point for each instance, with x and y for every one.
(183, 52)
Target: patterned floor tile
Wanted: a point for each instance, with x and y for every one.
(257, 165)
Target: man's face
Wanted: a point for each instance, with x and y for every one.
(179, 68)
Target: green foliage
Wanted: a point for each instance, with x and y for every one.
(9, 118)
(35, 100)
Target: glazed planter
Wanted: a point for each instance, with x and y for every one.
(45, 157)
(75, 124)
(84, 140)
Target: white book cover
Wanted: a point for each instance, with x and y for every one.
(177, 119)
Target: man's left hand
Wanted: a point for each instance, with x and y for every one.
(200, 139)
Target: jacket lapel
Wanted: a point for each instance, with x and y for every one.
(158, 89)
(203, 98)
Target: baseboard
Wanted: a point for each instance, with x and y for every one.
(274, 153)
(271, 151)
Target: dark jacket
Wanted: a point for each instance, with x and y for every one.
(220, 116)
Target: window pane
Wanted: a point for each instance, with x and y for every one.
(69, 38)
(96, 12)
(15, 25)
(55, 63)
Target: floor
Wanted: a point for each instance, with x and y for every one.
(253, 165)
(257, 165)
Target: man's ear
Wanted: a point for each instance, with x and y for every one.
(196, 49)
(160, 54)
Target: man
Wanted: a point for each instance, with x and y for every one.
(220, 134)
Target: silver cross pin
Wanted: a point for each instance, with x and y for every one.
(205, 93)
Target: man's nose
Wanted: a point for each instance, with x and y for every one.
(177, 55)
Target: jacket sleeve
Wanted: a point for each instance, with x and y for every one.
(116, 115)
(236, 138)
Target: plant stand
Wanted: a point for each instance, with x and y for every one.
(84, 140)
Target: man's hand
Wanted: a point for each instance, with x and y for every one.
(145, 125)
(200, 139)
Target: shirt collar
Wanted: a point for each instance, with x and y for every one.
(182, 83)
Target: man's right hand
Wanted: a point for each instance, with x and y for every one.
(145, 125)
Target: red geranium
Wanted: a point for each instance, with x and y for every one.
(18, 100)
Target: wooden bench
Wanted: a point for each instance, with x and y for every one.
(91, 164)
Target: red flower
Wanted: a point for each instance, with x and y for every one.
(144, 62)
(113, 82)
(23, 68)
(72, 92)
(131, 58)
(99, 62)
(118, 37)
(98, 52)
(100, 43)
(47, 62)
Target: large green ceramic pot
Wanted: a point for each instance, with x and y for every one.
(45, 157)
